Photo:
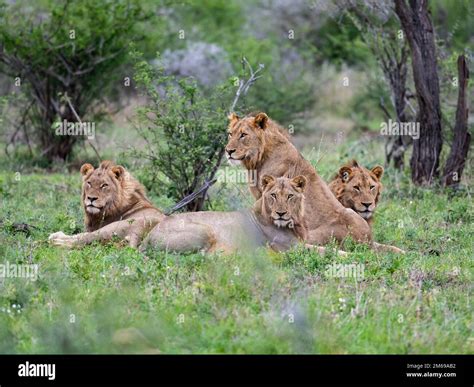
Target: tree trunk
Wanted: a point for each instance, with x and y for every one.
(396, 152)
(396, 71)
(416, 24)
(462, 138)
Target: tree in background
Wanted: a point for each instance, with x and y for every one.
(379, 24)
(462, 138)
(418, 28)
(66, 48)
(416, 23)
(379, 29)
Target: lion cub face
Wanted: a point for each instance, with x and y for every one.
(100, 186)
(358, 188)
(245, 138)
(283, 199)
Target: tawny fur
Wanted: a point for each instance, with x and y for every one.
(119, 204)
(276, 221)
(258, 143)
(227, 232)
(125, 195)
(354, 185)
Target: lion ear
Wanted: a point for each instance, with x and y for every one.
(354, 163)
(299, 183)
(377, 171)
(266, 180)
(233, 117)
(118, 171)
(261, 120)
(86, 168)
(345, 173)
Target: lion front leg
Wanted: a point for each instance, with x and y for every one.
(62, 239)
(131, 230)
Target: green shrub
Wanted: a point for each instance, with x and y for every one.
(183, 129)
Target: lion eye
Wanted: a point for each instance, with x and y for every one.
(372, 187)
(229, 134)
(273, 196)
(89, 184)
(104, 185)
(356, 188)
(242, 135)
(290, 196)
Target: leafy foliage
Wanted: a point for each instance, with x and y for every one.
(184, 131)
(64, 48)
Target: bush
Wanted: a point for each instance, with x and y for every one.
(183, 129)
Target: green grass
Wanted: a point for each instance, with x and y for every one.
(112, 299)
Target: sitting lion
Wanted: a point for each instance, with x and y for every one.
(260, 145)
(358, 188)
(114, 205)
(276, 221)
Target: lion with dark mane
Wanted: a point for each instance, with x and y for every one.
(115, 205)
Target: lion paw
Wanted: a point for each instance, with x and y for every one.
(61, 239)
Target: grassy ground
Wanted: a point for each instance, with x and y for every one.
(112, 299)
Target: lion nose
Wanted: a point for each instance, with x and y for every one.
(367, 205)
(280, 214)
(230, 151)
(92, 198)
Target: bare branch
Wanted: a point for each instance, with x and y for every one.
(244, 86)
(80, 121)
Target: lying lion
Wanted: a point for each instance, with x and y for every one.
(359, 188)
(115, 205)
(275, 220)
(261, 146)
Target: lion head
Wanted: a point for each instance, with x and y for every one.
(282, 201)
(109, 192)
(358, 188)
(249, 137)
